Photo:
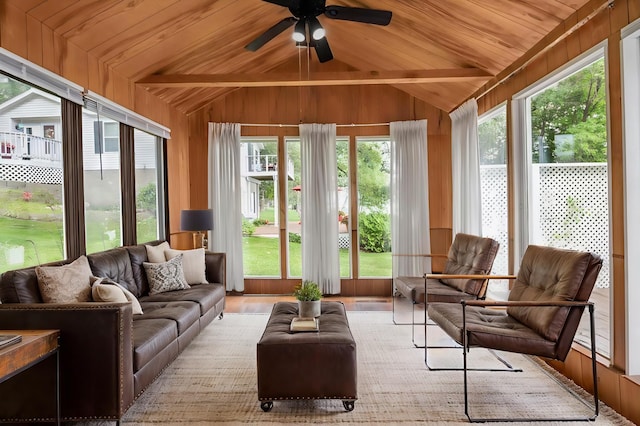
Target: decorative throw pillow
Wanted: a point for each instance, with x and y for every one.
(135, 304)
(65, 284)
(107, 293)
(106, 290)
(192, 264)
(167, 276)
(155, 254)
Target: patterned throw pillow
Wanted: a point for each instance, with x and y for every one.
(65, 284)
(166, 276)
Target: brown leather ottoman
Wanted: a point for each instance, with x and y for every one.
(307, 365)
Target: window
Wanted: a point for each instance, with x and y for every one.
(492, 135)
(147, 183)
(294, 243)
(260, 207)
(102, 198)
(568, 173)
(31, 208)
(631, 85)
(374, 207)
(106, 136)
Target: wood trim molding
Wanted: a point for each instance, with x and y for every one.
(341, 78)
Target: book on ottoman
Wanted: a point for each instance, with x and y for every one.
(304, 324)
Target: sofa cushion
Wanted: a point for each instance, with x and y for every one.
(185, 314)
(192, 264)
(114, 293)
(206, 295)
(155, 253)
(137, 256)
(150, 337)
(21, 285)
(114, 264)
(167, 276)
(107, 293)
(65, 284)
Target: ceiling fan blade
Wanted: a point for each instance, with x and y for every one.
(323, 50)
(266, 36)
(285, 3)
(358, 14)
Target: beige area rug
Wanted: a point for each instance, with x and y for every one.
(214, 381)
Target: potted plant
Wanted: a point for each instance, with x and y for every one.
(308, 294)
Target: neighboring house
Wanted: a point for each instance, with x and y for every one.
(31, 145)
(256, 168)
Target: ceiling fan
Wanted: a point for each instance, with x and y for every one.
(308, 31)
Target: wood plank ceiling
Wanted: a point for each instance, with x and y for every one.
(157, 42)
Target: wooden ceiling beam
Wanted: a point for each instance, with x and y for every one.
(342, 78)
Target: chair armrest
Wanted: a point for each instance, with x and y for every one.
(441, 256)
(216, 267)
(96, 358)
(529, 303)
(469, 277)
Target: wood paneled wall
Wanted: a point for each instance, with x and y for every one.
(32, 40)
(605, 26)
(341, 105)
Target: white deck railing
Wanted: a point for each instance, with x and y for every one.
(20, 146)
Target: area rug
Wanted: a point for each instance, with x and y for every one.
(214, 381)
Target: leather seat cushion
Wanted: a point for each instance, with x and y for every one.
(470, 254)
(413, 289)
(150, 337)
(185, 314)
(560, 279)
(491, 328)
(206, 295)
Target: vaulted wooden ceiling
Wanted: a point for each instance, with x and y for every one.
(190, 52)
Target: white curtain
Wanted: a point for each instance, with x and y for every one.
(319, 192)
(409, 198)
(465, 156)
(224, 198)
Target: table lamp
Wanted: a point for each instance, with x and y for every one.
(198, 221)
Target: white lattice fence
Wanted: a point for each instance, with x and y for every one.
(494, 212)
(570, 209)
(30, 174)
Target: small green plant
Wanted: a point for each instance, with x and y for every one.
(248, 228)
(295, 238)
(307, 291)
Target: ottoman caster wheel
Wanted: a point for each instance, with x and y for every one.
(349, 405)
(267, 406)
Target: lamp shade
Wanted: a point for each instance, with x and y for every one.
(196, 220)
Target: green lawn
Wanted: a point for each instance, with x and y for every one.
(268, 214)
(261, 259)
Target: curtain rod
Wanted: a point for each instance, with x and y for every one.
(296, 125)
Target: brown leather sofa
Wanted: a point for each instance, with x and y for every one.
(108, 356)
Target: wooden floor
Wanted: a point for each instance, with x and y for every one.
(259, 304)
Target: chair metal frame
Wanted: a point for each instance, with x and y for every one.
(413, 302)
(465, 349)
(483, 293)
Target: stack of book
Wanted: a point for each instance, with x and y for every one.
(304, 324)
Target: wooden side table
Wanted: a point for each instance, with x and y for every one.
(36, 346)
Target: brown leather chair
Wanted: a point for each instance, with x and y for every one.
(468, 254)
(542, 313)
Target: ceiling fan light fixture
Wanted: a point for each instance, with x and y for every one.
(299, 31)
(316, 30)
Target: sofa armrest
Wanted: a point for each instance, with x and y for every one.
(216, 267)
(96, 366)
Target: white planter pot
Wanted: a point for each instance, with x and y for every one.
(308, 309)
